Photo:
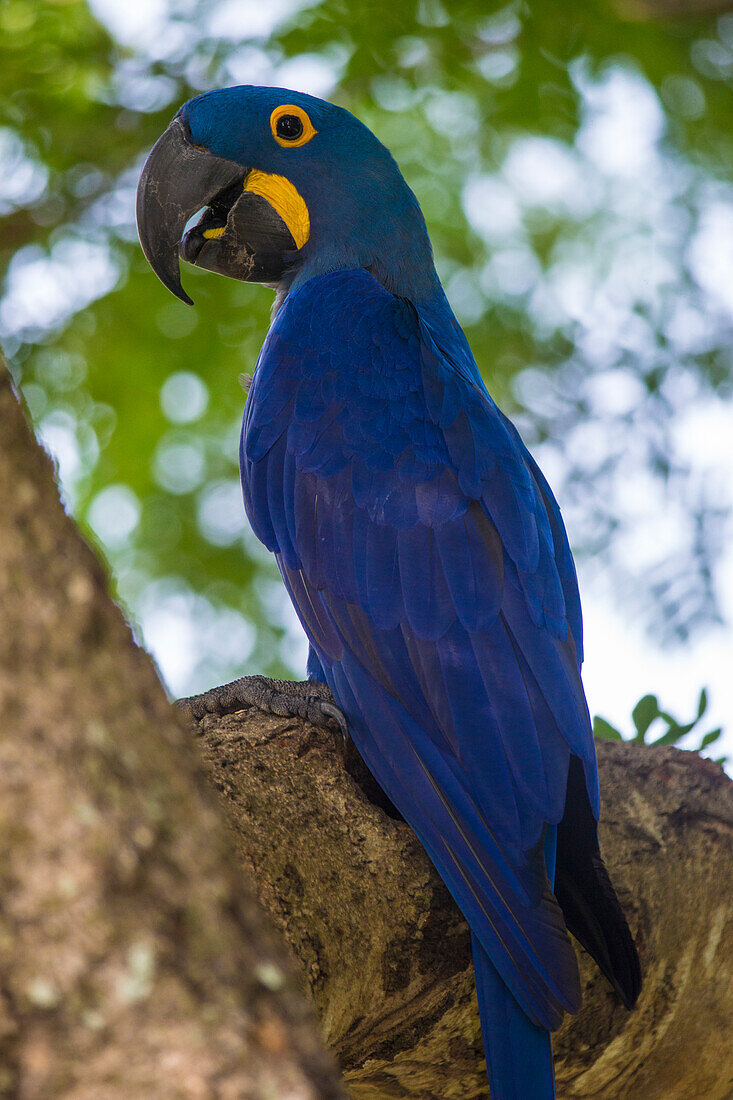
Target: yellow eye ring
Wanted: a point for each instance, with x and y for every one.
(301, 134)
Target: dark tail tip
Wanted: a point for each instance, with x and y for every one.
(586, 895)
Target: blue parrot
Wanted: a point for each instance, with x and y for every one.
(421, 546)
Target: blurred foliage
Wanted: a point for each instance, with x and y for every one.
(571, 161)
(646, 713)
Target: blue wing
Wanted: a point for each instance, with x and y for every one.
(429, 566)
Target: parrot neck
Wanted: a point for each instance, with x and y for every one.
(440, 327)
(419, 285)
(387, 236)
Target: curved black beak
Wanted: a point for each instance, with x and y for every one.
(239, 235)
(177, 180)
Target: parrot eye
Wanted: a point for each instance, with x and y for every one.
(291, 126)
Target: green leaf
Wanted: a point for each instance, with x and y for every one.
(674, 734)
(709, 738)
(675, 731)
(643, 714)
(604, 730)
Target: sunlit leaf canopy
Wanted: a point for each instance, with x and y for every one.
(573, 162)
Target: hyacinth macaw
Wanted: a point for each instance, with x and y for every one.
(420, 544)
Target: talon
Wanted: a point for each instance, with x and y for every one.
(287, 699)
(338, 716)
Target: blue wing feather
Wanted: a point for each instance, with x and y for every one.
(428, 563)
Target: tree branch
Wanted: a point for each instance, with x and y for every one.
(387, 955)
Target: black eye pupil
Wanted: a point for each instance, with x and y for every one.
(289, 127)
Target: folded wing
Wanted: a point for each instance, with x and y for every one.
(427, 561)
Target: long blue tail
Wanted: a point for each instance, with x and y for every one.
(518, 1052)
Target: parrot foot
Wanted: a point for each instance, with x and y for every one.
(305, 699)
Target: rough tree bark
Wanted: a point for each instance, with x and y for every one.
(132, 963)
(135, 961)
(387, 955)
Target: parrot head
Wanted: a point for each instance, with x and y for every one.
(290, 187)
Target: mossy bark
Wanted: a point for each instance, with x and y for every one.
(134, 960)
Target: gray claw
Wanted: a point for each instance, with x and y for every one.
(338, 716)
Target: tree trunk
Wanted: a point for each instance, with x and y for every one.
(134, 959)
(134, 963)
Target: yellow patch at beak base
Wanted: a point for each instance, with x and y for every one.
(285, 198)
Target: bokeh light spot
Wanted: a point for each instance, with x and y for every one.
(114, 514)
(183, 397)
(179, 467)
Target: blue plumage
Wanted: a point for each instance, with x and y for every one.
(434, 605)
(421, 546)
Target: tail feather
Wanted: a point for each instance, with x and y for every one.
(518, 1052)
(587, 898)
